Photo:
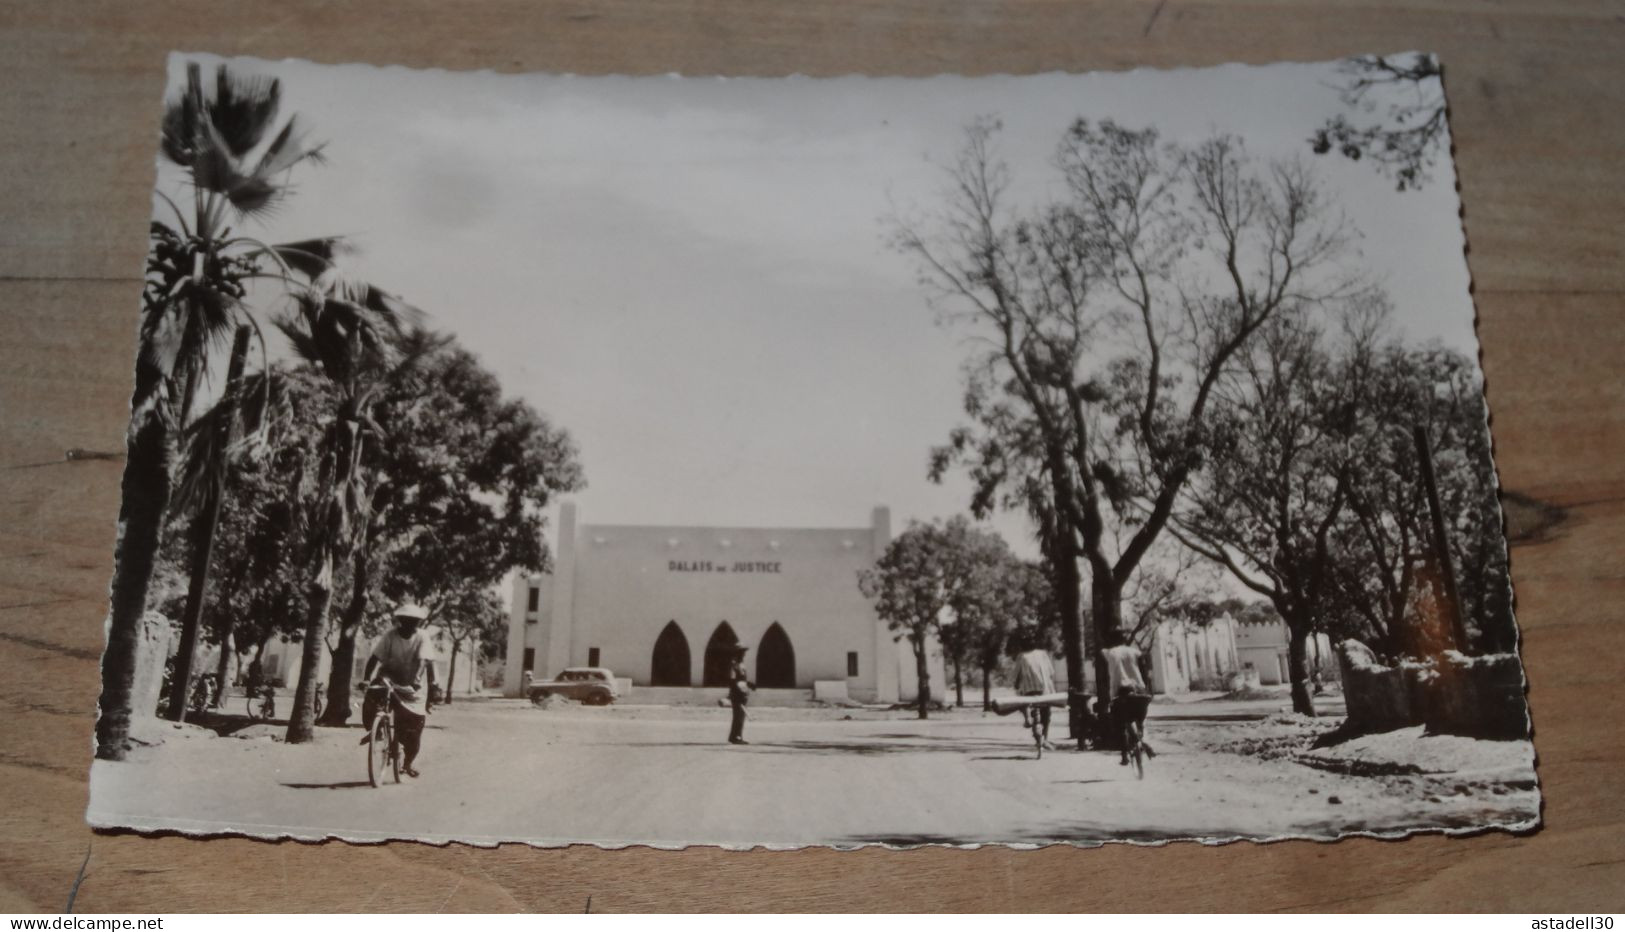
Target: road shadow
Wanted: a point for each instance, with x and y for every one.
(860, 748)
(343, 785)
(1008, 757)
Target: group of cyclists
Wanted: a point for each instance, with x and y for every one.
(1120, 725)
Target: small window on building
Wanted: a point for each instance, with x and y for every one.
(535, 599)
(851, 663)
(529, 663)
(592, 656)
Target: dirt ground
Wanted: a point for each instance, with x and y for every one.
(507, 771)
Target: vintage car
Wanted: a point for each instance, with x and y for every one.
(587, 685)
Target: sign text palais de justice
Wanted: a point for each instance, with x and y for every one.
(706, 566)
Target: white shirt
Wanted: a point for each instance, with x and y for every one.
(1123, 665)
(401, 659)
(1035, 673)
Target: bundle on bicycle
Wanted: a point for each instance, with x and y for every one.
(1035, 714)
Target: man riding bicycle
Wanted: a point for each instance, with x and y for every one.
(1130, 697)
(399, 656)
(1035, 676)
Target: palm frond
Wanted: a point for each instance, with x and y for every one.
(287, 150)
(243, 109)
(313, 258)
(183, 120)
(204, 460)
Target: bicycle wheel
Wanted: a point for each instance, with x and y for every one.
(394, 755)
(253, 706)
(380, 751)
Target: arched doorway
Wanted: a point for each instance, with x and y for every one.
(719, 655)
(671, 665)
(776, 660)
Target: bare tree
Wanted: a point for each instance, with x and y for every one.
(1399, 106)
(1101, 325)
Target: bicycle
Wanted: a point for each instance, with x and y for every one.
(1035, 720)
(261, 702)
(1032, 709)
(1129, 710)
(202, 697)
(383, 745)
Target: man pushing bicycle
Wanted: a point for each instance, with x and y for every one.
(399, 657)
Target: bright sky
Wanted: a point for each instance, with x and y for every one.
(690, 275)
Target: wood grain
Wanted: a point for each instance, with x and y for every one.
(1536, 93)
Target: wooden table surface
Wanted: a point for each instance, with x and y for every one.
(1537, 94)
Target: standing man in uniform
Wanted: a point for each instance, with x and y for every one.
(399, 655)
(739, 687)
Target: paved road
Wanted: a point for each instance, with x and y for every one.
(664, 776)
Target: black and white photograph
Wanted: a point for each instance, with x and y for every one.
(786, 462)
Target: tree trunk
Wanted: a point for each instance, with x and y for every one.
(1063, 566)
(923, 672)
(959, 687)
(451, 670)
(145, 490)
(203, 528)
(1441, 542)
(987, 688)
(1106, 605)
(302, 721)
(1298, 668)
(222, 670)
(340, 679)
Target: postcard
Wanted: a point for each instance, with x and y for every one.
(781, 462)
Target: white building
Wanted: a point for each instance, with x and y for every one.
(664, 606)
(1263, 648)
(1187, 656)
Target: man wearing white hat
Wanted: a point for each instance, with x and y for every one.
(399, 655)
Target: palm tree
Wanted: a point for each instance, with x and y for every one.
(353, 335)
(196, 282)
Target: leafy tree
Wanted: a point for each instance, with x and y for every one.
(1104, 322)
(258, 585)
(1020, 610)
(348, 335)
(473, 615)
(924, 575)
(1399, 103)
(1277, 484)
(1389, 566)
(986, 599)
(193, 296)
(457, 488)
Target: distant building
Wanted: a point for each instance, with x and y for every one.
(1188, 657)
(1263, 648)
(664, 606)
